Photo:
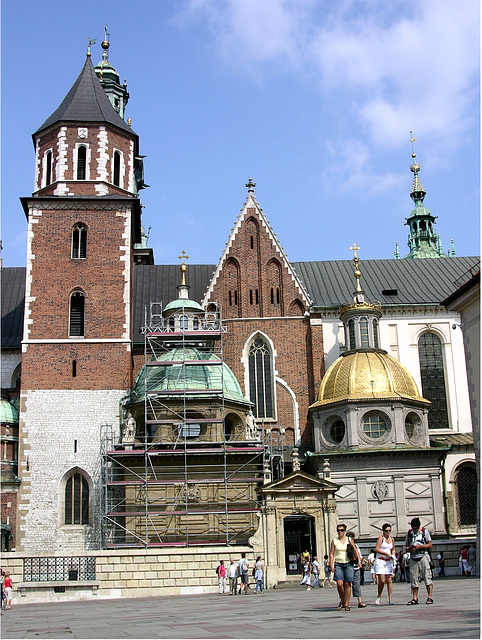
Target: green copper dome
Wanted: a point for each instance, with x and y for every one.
(190, 377)
(8, 412)
(188, 305)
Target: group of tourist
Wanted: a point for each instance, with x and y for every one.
(346, 564)
(240, 570)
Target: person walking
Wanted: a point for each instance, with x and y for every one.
(221, 572)
(385, 550)
(316, 573)
(418, 541)
(327, 570)
(258, 575)
(357, 572)
(7, 585)
(472, 558)
(371, 564)
(342, 566)
(306, 573)
(233, 578)
(243, 568)
(441, 564)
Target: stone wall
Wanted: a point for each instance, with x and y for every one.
(129, 573)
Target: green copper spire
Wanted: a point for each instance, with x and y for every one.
(423, 240)
(109, 79)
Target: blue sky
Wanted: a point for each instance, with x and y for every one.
(312, 99)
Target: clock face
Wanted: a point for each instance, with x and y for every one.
(82, 133)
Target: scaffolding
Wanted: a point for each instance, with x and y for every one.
(189, 477)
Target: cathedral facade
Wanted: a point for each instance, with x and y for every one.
(270, 378)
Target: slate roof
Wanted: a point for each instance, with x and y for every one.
(13, 298)
(86, 102)
(330, 284)
(417, 282)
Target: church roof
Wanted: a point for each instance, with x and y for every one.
(329, 284)
(86, 102)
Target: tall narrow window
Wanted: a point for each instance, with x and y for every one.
(76, 500)
(351, 332)
(466, 484)
(116, 168)
(48, 168)
(375, 334)
(77, 313)
(261, 379)
(183, 323)
(81, 162)
(433, 379)
(79, 241)
(364, 332)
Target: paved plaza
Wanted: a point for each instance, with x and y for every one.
(290, 612)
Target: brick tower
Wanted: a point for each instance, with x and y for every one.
(83, 220)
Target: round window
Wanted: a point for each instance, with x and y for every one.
(409, 427)
(374, 425)
(337, 431)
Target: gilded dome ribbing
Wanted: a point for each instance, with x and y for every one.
(363, 375)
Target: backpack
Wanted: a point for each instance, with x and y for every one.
(254, 571)
(245, 567)
(411, 537)
(217, 570)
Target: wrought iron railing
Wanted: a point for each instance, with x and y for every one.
(58, 569)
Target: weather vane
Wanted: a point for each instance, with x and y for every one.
(91, 42)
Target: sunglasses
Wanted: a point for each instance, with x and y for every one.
(340, 530)
(386, 529)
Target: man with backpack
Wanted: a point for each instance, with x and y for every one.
(243, 569)
(418, 542)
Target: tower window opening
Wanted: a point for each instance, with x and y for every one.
(77, 313)
(260, 379)
(251, 241)
(351, 332)
(81, 163)
(250, 296)
(79, 241)
(235, 297)
(48, 168)
(277, 295)
(257, 296)
(375, 334)
(272, 295)
(183, 323)
(116, 168)
(75, 446)
(230, 299)
(74, 368)
(76, 500)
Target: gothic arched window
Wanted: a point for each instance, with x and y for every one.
(466, 486)
(261, 378)
(433, 379)
(76, 504)
(79, 241)
(77, 313)
(81, 163)
(116, 168)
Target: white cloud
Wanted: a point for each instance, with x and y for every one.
(399, 65)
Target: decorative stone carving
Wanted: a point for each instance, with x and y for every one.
(251, 428)
(296, 459)
(380, 490)
(192, 493)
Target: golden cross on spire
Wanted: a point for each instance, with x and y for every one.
(355, 249)
(183, 257)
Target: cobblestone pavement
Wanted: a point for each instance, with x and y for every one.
(291, 612)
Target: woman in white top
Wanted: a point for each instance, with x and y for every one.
(385, 551)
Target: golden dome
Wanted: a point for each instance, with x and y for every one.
(363, 375)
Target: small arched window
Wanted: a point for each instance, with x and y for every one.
(116, 168)
(261, 379)
(433, 379)
(48, 168)
(183, 323)
(79, 241)
(76, 503)
(77, 313)
(81, 163)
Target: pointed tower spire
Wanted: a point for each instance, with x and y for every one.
(109, 79)
(423, 241)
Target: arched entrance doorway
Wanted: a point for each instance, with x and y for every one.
(299, 531)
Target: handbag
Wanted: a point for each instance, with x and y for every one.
(350, 552)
